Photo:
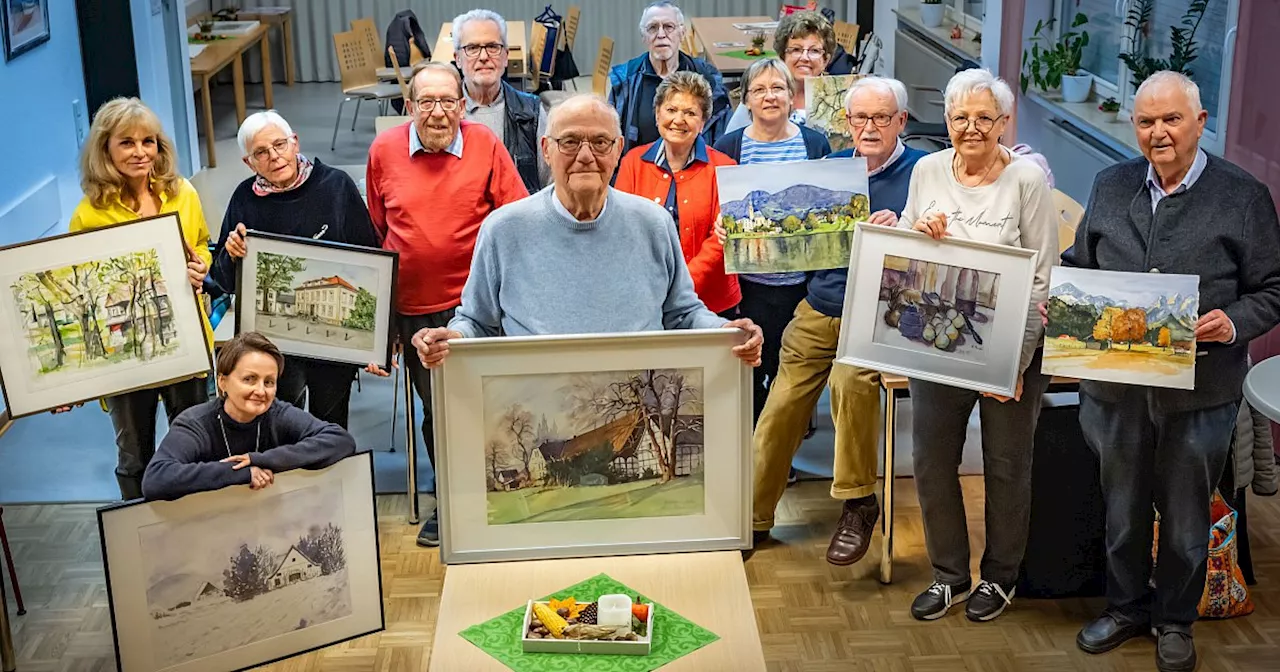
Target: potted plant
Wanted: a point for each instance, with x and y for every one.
(932, 13)
(757, 45)
(1057, 63)
(1110, 107)
(1182, 38)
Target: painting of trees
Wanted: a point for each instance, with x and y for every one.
(324, 546)
(1129, 326)
(365, 311)
(275, 274)
(248, 574)
(1103, 330)
(518, 424)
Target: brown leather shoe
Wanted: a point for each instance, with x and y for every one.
(853, 532)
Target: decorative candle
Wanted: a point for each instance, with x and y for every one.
(614, 610)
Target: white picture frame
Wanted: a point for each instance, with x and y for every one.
(475, 491)
(986, 358)
(75, 281)
(150, 549)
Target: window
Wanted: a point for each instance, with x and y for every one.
(968, 12)
(1102, 56)
(1206, 70)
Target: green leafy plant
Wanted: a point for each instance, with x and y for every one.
(1045, 65)
(1110, 105)
(1183, 38)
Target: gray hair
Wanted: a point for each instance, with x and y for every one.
(660, 4)
(1184, 83)
(977, 80)
(687, 82)
(433, 65)
(882, 84)
(477, 15)
(582, 100)
(765, 65)
(255, 123)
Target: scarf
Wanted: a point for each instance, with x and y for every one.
(263, 187)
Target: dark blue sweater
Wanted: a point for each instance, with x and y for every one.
(888, 192)
(327, 206)
(281, 439)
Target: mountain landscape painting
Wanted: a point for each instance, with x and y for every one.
(1136, 328)
(793, 216)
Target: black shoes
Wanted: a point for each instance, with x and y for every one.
(988, 601)
(429, 535)
(934, 602)
(1108, 631)
(1175, 650)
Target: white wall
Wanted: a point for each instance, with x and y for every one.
(159, 75)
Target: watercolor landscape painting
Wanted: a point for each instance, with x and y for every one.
(825, 112)
(794, 216)
(597, 445)
(1136, 328)
(316, 301)
(936, 308)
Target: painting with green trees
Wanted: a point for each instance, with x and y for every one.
(317, 301)
(1136, 328)
(824, 106)
(103, 314)
(791, 216)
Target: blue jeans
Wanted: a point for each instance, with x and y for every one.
(1169, 461)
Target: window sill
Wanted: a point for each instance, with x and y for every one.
(1115, 135)
(964, 48)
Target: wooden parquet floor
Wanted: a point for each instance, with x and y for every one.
(813, 617)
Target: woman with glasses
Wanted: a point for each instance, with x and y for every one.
(679, 173)
(293, 195)
(804, 41)
(770, 298)
(979, 190)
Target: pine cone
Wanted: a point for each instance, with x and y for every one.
(588, 615)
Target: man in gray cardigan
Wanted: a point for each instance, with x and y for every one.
(1177, 210)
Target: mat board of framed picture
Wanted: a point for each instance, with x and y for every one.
(950, 311)
(318, 299)
(554, 446)
(235, 578)
(96, 313)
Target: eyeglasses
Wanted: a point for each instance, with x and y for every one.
(279, 146)
(570, 145)
(447, 104)
(983, 124)
(761, 92)
(860, 120)
(664, 28)
(492, 49)
(808, 52)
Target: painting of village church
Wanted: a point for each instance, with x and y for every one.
(316, 301)
(229, 579)
(599, 445)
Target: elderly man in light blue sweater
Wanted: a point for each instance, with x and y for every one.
(579, 256)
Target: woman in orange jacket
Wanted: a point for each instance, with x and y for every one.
(679, 173)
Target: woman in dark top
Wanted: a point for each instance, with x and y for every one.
(293, 195)
(245, 436)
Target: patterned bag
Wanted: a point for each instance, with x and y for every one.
(1225, 593)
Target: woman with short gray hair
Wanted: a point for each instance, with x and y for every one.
(978, 190)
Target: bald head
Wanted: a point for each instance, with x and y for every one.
(583, 106)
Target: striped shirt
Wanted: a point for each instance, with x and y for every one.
(753, 151)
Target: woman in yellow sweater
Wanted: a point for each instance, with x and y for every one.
(128, 171)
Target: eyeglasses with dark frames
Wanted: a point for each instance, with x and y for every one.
(279, 146)
(982, 124)
(570, 145)
(860, 120)
(492, 49)
(447, 104)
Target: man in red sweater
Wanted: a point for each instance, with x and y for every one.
(430, 183)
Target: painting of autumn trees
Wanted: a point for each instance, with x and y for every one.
(593, 445)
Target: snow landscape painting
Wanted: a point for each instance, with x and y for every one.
(1136, 328)
(242, 575)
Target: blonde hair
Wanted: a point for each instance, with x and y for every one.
(99, 178)
(686, 82)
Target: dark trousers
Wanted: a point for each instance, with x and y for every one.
(770, 307)
(419, 376)
(133, 415)
(325, 386)
(1169, 460)
(940, 415)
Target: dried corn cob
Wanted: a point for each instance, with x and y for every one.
(550, 619)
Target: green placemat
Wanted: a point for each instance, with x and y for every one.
(675, 636)
(743, 55)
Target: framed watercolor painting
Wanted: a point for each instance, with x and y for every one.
(824, 103)
(1137, 328)
(792, 216)
(318, 299)
(26, 25)
(95, 313)
(616, 444)
(952, 311)
(233, 579)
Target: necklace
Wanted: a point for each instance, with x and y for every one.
(955, 169)
(227, 442)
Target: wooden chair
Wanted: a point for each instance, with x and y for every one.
(395, 64)
(570, 28)
(604, 60)
(368, 32)
(13, 572)
(1069, 215)
(538, 37)
(689, 44)
(359, 78)
(847, 36)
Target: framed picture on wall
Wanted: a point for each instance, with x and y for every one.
(568, 446)
(949, 311)
(26, 26)
(318, 299)
(95, 313)
(233, 579)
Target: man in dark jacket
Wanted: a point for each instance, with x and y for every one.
(632, 84)
(517, 118)
(1177, 210)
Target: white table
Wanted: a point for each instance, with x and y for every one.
(1262, 388)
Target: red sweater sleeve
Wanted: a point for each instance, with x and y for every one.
(373, 188)
(626, 180)
(709, 260)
